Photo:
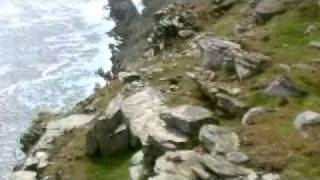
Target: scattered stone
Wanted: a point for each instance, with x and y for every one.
(23, 175)
(315, 44)
(129, 77)
(186, 33)
(307, 118)
(237, 157)
(266, 9)
(254, 115)
(222, 167)
(310, 30)
(218, 139)
(187, 119)
(283, 88)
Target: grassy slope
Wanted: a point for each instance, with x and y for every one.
(273, 144)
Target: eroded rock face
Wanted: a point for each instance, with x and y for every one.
(218, 139)
(307, 118)
(219, 54)
(187, 119)
(283, 88)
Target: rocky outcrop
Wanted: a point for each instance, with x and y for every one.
(219, 54)
(38, 157)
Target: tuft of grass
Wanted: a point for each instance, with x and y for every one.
(109, 168)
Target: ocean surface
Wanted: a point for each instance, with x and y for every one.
(49, 52)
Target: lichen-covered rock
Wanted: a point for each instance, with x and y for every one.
(283, 88)
(187, 119)
(219, 139)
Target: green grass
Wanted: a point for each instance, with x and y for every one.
(109, 168)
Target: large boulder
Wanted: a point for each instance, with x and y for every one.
(187, 119)
(282, 87)
(219, 139)
(307, 118)
(141, 111)
(110, 133)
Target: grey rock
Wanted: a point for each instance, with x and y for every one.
(307, 118)
(180, 163)
(218, 139)
(254, 115)
(187, 119)
(266, 9)
(231, 105)
(129, 77)
(237, 157)
(222, 167)
(284, 88)
(142, 111)
(23, 175)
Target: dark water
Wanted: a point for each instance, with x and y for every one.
(49, 51)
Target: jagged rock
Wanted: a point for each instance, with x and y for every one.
(186, 33)
(219, 139)
(23, 175)
(254, 115)
(222, 167)
(284, 88)
(180, 163)
(307, 118)
(237, 157)
(142, 112)
(230, 105)
(187, 119)
(266, 9)
(315, 44)
(128, 77)
(219, 54)
(136, 169)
